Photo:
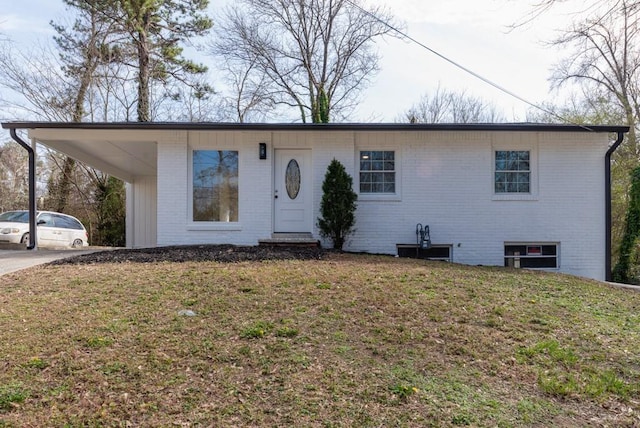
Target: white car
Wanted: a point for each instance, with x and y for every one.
(54, 229)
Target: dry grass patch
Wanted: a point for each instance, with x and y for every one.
(349, 340)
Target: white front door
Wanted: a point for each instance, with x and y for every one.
(293, 193)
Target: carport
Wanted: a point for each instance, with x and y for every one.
(115, 152)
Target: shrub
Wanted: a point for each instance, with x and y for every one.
(338, 205)
(624, 269)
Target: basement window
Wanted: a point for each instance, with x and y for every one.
(531, 255)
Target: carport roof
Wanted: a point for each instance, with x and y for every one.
(128, 149)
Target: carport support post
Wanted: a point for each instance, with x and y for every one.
(32, 188)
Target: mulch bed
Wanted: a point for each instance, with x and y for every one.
(198, 253)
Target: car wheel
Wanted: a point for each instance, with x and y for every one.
(77, 243)
(25, 239)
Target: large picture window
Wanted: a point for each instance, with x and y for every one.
(377, 171)
(215, 185)
(512, 171)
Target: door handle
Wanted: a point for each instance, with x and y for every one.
(276, 194)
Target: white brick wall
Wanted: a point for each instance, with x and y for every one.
(255, 190)
(445, 180)
(447, 183)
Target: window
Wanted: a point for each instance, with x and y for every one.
(531, 255)
(45, 219)
(512, 171)
(377, 172)
(67, 222)
(215, 186)
(435, 252)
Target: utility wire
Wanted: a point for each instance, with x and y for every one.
(463, 68)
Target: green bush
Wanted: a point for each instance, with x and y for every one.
(624, 270)
(338, 205)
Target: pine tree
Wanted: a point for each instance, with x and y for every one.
(338, 205)
(155, 30)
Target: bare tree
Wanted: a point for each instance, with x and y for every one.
(444, 106)
(34, 83)
(315, 56)
(605, 59)
(197, 101)
(14, 177)
(603, 45)
(251, 97)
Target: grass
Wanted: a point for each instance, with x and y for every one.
(351, 340)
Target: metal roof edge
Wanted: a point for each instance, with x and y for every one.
(222, 126)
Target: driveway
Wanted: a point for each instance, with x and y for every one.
(12, 260)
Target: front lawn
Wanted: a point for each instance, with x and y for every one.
(349, 340)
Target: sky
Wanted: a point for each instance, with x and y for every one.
(474, 33)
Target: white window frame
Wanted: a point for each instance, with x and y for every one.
(211, 225)
(366, 196)
(533, 173)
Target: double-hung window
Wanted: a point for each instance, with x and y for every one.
(377, 172)
(512, 171)
(215, 186)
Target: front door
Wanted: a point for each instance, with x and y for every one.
(293, 194)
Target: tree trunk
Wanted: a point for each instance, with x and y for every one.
(64, 184)
(144, 73)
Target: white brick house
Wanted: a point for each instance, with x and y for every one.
(514, 194)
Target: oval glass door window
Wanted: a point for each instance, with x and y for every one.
(292, 179)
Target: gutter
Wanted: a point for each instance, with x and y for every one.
(32, 189)
(607, 204)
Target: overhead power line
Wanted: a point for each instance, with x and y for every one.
(463, 68)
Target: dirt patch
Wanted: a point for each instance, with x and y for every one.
(196, 253)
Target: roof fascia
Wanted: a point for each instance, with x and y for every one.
(219, 126)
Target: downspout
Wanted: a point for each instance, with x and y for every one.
(607, 197)
(32, 188)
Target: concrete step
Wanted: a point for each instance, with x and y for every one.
(290, 240)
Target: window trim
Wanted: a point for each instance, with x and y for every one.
(211, 225)
(364, 196)
(528, 245)
(533, 171)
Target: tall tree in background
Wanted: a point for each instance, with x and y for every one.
(155, 30)
(83, 47)
(250, 96)
(34, 83)
(604, 61)
(98, 58)
(316, 55)
(444, 106)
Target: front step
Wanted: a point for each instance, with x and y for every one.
(290, 240)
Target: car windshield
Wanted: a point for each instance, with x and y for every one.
(15, 216)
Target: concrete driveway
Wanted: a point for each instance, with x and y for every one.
(12, 260)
